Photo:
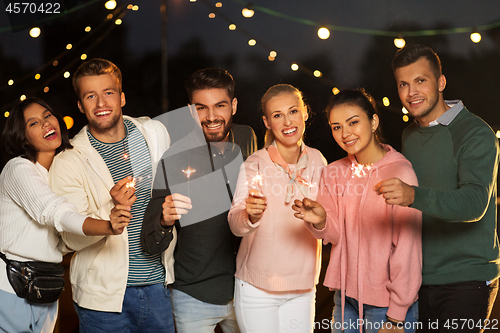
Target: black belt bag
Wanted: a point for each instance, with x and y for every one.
(36, 281)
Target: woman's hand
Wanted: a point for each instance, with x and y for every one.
(120, 218)
(310, 211)
(256, 205)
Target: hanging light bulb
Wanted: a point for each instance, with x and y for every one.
(323, 33)
(110, 5)
(399, 42)
(247, 11)
(475, 37)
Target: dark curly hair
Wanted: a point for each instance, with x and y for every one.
(210, 78)
(14, 133)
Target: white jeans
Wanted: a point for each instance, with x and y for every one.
(261, 311)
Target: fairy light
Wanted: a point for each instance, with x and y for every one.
(335, 90)
(135, 8)
(35, 32)
(271, 58)
(498, 134)
(317, 73)
(83, 56)
(37, 76)
(11, 82)
(295, 67)
(130, 6)
(110, 5)
(273, 54)
(252, 42)
(66, 74)
(404, 110)
(118, 21)
(232, 27)
(475, 37)
(211, 15)
(46, 89)
(69, 46)
(406, 118)
(247, 12)
(68, 121)
(109, 17)
(6, 114)
(218, 4)
(399, 42)
(55, 63)
(87, 29)
(386, 101)
(22, 98)
(323, 33)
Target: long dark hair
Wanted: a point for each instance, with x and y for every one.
(14, 133)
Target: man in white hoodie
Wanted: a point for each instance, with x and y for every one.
(117, 287)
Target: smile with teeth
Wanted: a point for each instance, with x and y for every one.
(350, 143)
(213, 126)
(417, 101)
(102, 113)
(49, 133)
(290, 131)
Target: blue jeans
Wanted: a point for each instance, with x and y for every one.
(194, 316)
(373, 316)
(17, 315)
(146, 309)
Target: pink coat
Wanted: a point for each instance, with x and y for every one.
(376, 254)
(277, 253)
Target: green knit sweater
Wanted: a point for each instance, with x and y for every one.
(457, 167)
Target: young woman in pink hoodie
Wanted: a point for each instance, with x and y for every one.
(278, 262)
(376, 260)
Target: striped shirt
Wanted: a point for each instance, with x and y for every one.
(130, 157)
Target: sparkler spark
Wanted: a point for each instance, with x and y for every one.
(359, 170)
(188, 172)
(131, 184)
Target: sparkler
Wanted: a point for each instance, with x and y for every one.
(257, 179)
(188, 172)
(359, 170)
(131, 184)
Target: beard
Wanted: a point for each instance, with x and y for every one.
(104, 125)
(221, 134)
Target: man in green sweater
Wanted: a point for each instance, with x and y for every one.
(455, 156)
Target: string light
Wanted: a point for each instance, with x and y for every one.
(118, 21)
(68, 121)
(22, 98)
(335, 90)
(252, 42)
(295, 67)
(11, 82)
(273, 54)
(69, 47)
(404, 110)
(46, 89)
(317, 73)
(110, 5)
(211, 15)
(87, 29)
(406, 118)
(323, 33)
(386, 101)
(218, 4)
(475, 37)
(37, 76)
(399, 42)
(247, 12)
(55, 63)
(135, 8)
(35, 32)
(66, 74)
(83, 56)
(6, 114)
(498, 134)
(232, 27)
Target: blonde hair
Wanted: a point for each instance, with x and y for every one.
(274, 91)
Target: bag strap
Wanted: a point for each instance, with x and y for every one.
(4, 258)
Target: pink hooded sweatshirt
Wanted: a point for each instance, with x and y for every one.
(376, 254)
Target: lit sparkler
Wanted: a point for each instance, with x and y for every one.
(257, 179)
(359, 170)
(188, 172)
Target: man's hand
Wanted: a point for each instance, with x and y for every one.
(174, 207)
(120, 218)
(123, 192)
(396, 192)
(310, 211)
(256, 205)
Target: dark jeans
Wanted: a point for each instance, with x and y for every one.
(457, 307)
